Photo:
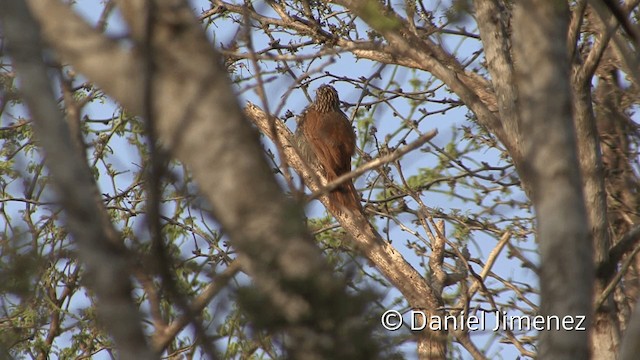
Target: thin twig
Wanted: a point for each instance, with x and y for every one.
(375, 163)
(162, 340)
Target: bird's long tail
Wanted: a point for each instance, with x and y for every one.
(346, 197)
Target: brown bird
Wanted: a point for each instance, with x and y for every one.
(327, 141)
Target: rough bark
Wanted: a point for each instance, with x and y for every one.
(604, 324)
(199, 121)
(106, 265)
(492, 20)
(631, 346)
(551, 166)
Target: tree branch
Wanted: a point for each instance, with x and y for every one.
(198, 119)
(375, 163)
(107, 270)
(383, 255)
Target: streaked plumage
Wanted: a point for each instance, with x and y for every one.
(326, 140)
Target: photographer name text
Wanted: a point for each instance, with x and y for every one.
(494, 321)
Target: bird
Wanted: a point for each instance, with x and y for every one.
(325, 139)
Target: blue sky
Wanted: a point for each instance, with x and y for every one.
(346, 65)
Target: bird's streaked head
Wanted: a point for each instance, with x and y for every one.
(327, 99)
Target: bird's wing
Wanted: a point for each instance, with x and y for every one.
(340, 138)
(319, 134)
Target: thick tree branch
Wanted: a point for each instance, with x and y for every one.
(367, 240)
(198, 119)
(107, 270)
(622, 247)
(630, 345)
(492, 23)
(551, 166)
(472, 89)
